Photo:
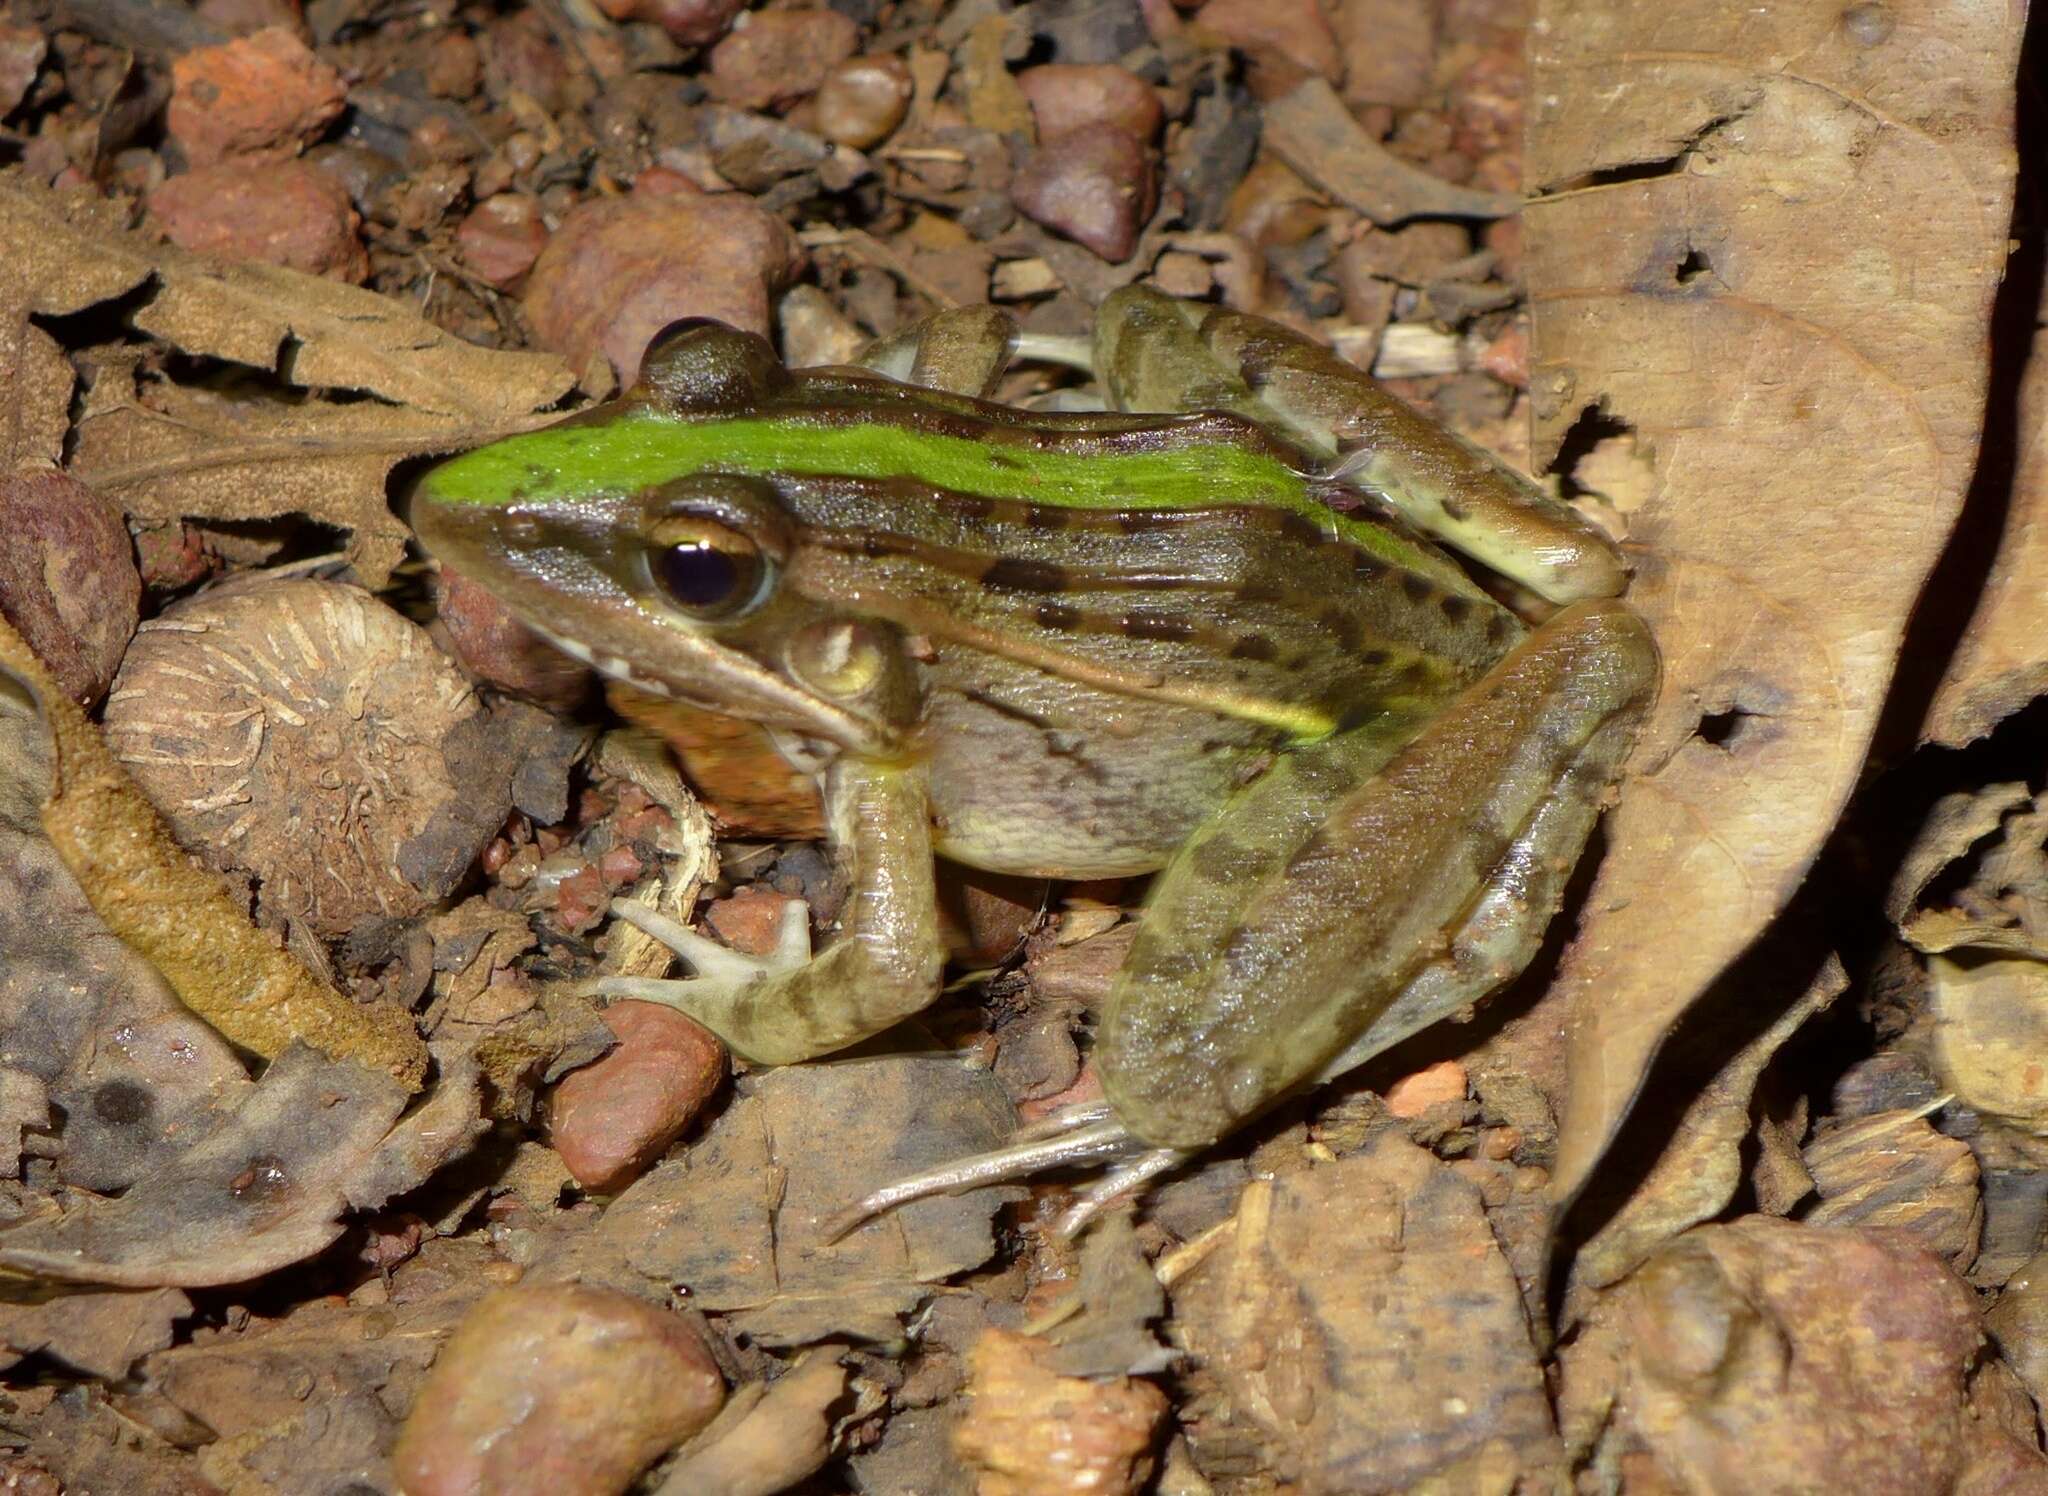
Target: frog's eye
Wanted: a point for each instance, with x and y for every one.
(708, 570)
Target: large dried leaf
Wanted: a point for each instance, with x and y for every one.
(1779, 302)
(1696, 1175)
(266, 1188)
(2001, 662)
(163, 452)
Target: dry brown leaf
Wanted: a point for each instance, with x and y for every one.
(1782, 303)
(265, 1189)
(180, 917)
(741, 1218)
(1695, 1176)
(2001, 662)
(165, 453)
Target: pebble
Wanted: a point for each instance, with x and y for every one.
(780, 56)
(22, 49)
(501, 238)
(691, 23)
(512, 1405)
(1095, 185)
(1284, 40)
(288, 213)
(611, 1119)
(260, 95)
(1068, 95)
(621, 269)
(68, 581)
(863, 100)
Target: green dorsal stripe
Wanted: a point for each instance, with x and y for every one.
(640, 450)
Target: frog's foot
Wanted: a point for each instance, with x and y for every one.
(1077, 1135)
(723, 975)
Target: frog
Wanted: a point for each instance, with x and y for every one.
(1350, 690)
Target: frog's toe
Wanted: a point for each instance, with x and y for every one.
(721, 973)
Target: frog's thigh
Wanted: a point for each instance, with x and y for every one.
(884, 964)
(1340, 897)
(962, 351)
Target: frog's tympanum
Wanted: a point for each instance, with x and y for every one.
(1208, 634)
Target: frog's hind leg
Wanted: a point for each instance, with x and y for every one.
(1338, 903)
(1159, 353)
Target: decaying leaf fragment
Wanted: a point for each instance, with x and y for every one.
(266, 1188)
(164, 452)
(1356, 1328)
(178, 916)
(741, 1219)
(1698, 1171)
(2001, 664)
(1780, 307)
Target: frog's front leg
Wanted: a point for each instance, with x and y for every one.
(1338, 903)
(883, 967)
(1363, 888)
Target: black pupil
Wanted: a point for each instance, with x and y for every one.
(698, 575)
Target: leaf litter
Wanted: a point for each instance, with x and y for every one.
(1744, 309)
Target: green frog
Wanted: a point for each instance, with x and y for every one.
(1210, 632)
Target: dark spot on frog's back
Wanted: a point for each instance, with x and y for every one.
(1456, 609)
(966, 505)
(1255, 647)
(1222, 860)
(1416, 588)
(1023, 574)
(1158, 626)
(1343, 628)
(1301, 530)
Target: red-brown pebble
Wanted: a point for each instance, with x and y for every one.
(1094, 185)
(612, 1118)
(863, 100)
(288, 213)
(1506, 358)
(692, 23)
(172, 557)
(581, 899)
(1067, 95)
(619, 270)
(1389, 50)
(780, 56)
(749, 919)
(501, 238)
(22, 49)
(521, 56)
(1286, 40)
(247, 17)
(1416, 1093)
(68, 582)
(492, 644)
(260, 95)
(453, 66)
(555, 1390)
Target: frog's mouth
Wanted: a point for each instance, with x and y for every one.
(562, 576)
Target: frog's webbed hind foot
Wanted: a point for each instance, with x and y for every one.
(722, 974)
(1078, 1135)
